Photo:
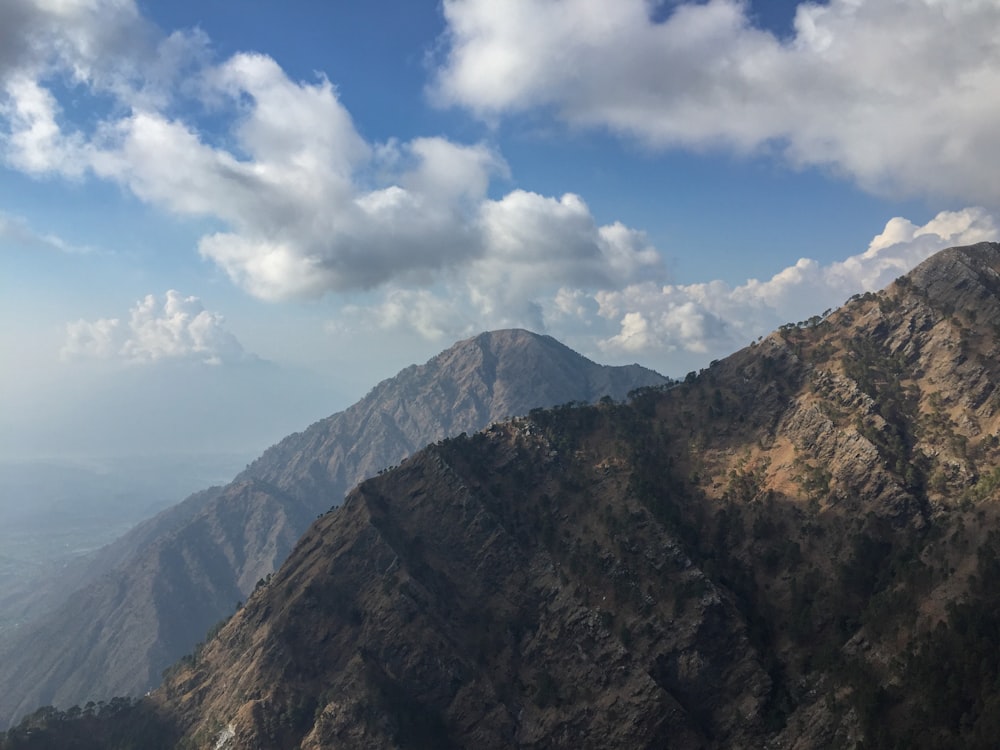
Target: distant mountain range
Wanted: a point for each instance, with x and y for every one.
(796, 548)
(149, 598)
(55, 512)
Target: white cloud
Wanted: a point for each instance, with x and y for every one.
(541, 260)
(36, 144)
(98, 339)
(535, 243)
(671, 327)
(434, 317)
(177, 329)
(715, 319)
(306, 205)
(900, 96)
(105, 45)
(77, 33)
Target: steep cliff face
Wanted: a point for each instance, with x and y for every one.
(149, 598)
(796, 548)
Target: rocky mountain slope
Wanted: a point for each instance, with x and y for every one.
(150, 597)
(55, 515)
(478, 381)
(796, 548)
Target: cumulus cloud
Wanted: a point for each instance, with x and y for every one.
(440, 316)
(75, 34)
(536, 243)
(177, 329)
(36, 144)
(900, 96)
(542, 258)
(672, 327)
(715, 318)
(306, 205)
(303, 205)
(105, 45)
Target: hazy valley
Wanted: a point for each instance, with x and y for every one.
(54, 513)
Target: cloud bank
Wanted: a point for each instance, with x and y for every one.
(308, 206)
(415, 233)
(678, 327)
(177, 329)
(715, 318)
(900, 96)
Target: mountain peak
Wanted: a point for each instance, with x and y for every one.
(479, 380)
(514, 344)
(791, 549)
(795, 548)
(116, 635)
(960, 278)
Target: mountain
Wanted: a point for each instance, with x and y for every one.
(147, 599)
(478, 381)
(796, 548)
(55, 514)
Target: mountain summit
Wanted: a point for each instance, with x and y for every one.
(149, 598)
(477, 381)
(795, 548)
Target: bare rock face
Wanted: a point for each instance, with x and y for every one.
(151, 597)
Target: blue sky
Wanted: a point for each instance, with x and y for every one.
(220, 221)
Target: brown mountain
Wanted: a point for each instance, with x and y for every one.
(150, 597)
(477, 381)
(796, 548)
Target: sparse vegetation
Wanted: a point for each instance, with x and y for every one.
(793, 546)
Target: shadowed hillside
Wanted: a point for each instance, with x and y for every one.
(795, 548)
(150, 597)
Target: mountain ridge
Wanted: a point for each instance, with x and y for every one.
(149, 598)
(427, 395)
(793, 549)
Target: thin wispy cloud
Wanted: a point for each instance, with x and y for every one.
(15, 231)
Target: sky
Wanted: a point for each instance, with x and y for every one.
(221, 221)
